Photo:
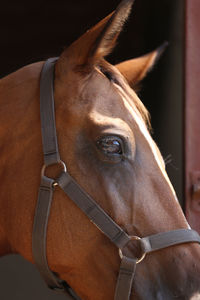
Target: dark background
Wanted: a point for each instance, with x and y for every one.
(35, 30)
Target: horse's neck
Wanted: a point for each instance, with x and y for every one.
(5, 247)
(19, 135)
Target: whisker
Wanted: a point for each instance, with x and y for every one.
(168, 159)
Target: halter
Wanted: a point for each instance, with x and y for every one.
(91, 209)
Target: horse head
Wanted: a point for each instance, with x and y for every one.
(104, 139)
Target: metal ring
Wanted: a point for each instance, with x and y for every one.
(60, 162)
(140, 259)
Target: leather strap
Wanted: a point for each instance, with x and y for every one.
(92, 210)
(40, 230)
(47, 114)
(125, 278)
(39, 238)
(167, 239)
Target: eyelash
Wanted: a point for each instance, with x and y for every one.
(111, 77)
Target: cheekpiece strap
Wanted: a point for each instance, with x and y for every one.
(47, 114)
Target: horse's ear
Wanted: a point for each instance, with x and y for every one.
(134, 70)
(99, 41)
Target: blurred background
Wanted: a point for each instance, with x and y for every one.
(35, 30)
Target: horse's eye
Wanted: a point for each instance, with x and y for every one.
(110, 145)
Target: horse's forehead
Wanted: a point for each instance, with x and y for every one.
(101, 96)
(105, 103)
(99, 88)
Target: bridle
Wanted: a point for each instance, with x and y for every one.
(91, 209)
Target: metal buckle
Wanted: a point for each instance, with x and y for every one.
(140, 259)
(43, 170)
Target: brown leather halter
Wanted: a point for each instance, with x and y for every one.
(94, 212)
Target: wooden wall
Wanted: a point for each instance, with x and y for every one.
(192, 114)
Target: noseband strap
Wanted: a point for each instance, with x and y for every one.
(88, 206)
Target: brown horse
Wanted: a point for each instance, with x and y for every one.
(104, 140)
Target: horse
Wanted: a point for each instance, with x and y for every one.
(104, 139)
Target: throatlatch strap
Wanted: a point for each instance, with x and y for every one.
(47, 113)
(40, 230)
(39, 238)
